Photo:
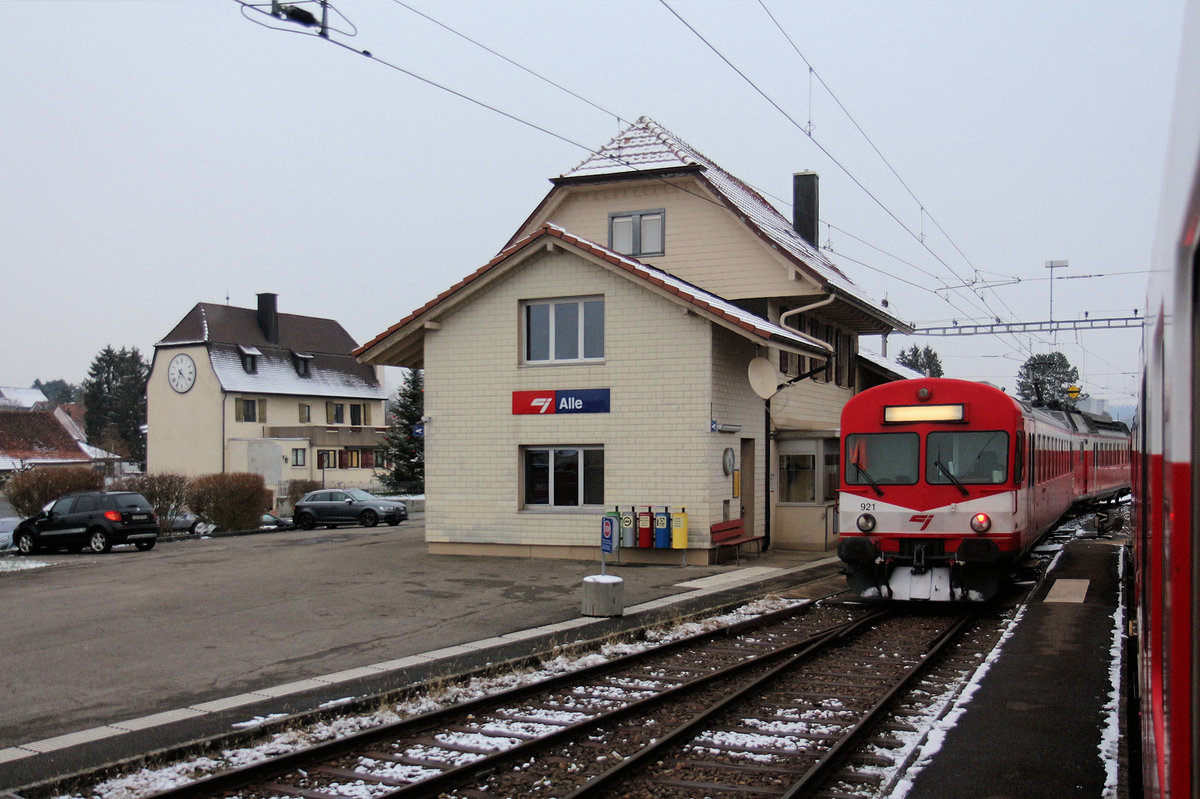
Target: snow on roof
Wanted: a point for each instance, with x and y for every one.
(275, 373)
(21, 397)
(645, 145)
(894, 367)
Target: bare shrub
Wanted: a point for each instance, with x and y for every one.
(298, 488)
(28, 491)
(233, 501)
(168, 493)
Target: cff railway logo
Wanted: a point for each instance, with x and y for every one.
(922, 519)
(579, 400)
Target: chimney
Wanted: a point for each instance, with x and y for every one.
(268, 317)
(804, 206)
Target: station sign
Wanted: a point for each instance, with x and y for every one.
(578, 400)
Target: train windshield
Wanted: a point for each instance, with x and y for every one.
(875, 459)
(967, 457)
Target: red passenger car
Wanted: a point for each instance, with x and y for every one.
(1166, 540)
(946, 484)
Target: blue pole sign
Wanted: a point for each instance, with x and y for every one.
(607, 534)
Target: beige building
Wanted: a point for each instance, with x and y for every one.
(254, 390)
(655, 334)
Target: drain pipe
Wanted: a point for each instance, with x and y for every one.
(783, 322)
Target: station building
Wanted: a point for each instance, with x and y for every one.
(655, 335)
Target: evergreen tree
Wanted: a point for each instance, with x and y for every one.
(114, 402)
(1045, 378)
(59, 391)
(406, 451)
(925, 361)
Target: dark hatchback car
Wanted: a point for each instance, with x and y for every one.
(335, 506)
(93, 519)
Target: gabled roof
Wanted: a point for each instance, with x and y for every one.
(646, 149)
(404, 339)
(36, 437)
(325, 346)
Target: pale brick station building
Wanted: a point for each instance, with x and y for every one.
(626, 350)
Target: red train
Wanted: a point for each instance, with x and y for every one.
(946, 484)
(1166, 539)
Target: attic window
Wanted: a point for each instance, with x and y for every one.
(637, 232)
(301, 361)
(249, 359)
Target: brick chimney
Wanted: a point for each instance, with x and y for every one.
(804, 206)
(268, 316)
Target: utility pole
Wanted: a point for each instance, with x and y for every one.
(1052, 265)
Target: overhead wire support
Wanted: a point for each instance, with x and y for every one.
(1108, 323)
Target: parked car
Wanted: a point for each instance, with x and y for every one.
(332, 507)
(272, 522)
(95, 519)
(7, 525)
(185, 521)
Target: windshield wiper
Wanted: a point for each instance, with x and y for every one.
(953, 479)
(872, 483)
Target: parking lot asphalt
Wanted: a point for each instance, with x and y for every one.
(95, 640)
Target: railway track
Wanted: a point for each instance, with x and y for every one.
(773, 707)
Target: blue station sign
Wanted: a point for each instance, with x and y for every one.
(572, 400)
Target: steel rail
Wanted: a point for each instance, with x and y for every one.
(602, 782)
(256, 773)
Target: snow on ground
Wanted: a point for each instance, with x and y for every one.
(154, 780)
(15, 564)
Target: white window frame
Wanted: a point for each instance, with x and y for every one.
(637, 220)
(581, 487)
(553, 304)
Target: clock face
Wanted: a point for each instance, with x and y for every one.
(181, 373)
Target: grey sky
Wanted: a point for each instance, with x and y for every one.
(158, 153)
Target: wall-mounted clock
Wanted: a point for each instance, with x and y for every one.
(727, 460)
(181, 373)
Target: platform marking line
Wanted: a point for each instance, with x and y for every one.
(15, 753)
(1068, 590)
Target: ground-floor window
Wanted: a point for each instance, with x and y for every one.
(808, 470)
(298, 456)
(569, 475)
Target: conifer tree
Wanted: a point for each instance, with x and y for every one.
(114, 402)
(405, 449)
(925, 361)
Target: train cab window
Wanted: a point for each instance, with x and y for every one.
(882, 459)
(979, 457)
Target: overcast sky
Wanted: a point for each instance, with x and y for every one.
(160, 153)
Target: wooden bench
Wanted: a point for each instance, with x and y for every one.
(733, 534)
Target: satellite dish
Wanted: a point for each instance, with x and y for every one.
(764, 380)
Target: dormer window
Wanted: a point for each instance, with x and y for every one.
(636, 232)
(301, 361)
(249, 359)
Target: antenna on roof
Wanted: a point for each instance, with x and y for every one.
(226, 296)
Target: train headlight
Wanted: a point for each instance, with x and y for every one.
(866, 522)
(981, 522)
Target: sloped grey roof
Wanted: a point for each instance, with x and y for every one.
(646, 146)
(227, 331)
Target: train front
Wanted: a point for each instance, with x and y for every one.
(929, 501)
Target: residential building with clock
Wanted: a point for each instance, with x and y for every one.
(253, 390)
